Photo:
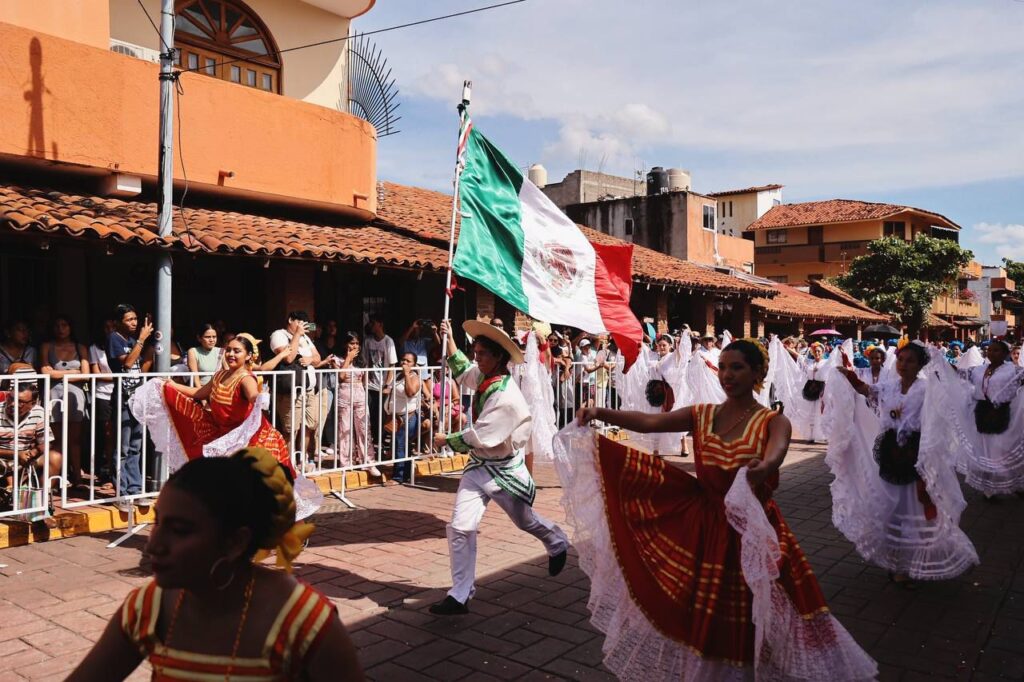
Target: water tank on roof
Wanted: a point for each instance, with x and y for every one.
(538, 175)
(657, 181)
(678, 179)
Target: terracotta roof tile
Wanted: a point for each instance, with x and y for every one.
(745, 190)
(427, 214)
(835, 211)
(832, 291)
(794, 303)
(135, 222)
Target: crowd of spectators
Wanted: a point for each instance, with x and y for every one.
(384, 402)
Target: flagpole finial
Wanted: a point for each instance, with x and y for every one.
(467, 90)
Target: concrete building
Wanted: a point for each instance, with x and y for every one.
(680, 224)
(1000, 305)
(738, 208)
(583, 186)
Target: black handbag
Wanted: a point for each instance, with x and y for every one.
(813, 389)
(991, 418)
(295, 376)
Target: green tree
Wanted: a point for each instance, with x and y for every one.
(1014, 270)
(902, 278)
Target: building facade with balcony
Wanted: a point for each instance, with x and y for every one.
(278, 206)
(739, 208)
(1000, 304)
(800, 243)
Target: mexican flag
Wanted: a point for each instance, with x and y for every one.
(515, 242)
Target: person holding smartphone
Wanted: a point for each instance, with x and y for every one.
(125, 355)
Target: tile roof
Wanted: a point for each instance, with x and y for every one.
(428, 214)
(209, 230)
(412, 231)
(793, 303)
(836, 211)
(936, 322)
(826, 289)
(745, 190)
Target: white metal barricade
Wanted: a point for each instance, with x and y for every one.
(367, 432)
(25, 399)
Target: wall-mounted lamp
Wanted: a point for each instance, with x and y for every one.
(266, 263)
(375, 271)
(44, 245)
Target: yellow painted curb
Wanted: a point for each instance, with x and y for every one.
(88, 520)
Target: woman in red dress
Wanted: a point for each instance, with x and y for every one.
(183, 429)
(700, 577)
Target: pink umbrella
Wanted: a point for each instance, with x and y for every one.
(826, 332)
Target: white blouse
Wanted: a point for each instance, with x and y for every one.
(896, 410)
(1000, 387)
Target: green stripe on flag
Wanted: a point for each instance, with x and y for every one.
(490, 250)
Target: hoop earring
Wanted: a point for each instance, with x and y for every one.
(213, 569)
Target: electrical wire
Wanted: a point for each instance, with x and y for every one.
(178, 92)
(152, 23)
(368, 33)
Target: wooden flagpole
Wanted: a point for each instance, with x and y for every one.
(465, 125)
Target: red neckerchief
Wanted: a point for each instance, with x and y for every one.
(484, 385)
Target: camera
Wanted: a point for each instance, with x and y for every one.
(311, 326)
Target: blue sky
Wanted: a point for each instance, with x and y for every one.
(919, 102)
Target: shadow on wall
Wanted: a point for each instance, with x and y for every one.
(36, 144)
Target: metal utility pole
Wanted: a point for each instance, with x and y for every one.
(164, 272)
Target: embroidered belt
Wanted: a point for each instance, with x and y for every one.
(506, 473)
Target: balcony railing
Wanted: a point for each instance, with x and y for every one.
(948, 305)
(99, 111)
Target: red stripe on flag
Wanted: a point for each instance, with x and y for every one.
(613, 283)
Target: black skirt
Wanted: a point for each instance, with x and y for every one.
(813, 389)
(990, 418)
(897, 464)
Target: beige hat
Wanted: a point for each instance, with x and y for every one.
(475, 328)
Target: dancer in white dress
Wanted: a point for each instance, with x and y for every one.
(983, 408)
(895, 496)
(800, 385)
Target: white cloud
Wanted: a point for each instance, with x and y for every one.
(833, 97)
(1006, 239)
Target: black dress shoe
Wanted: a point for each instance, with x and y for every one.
(557, 562)
(450, 606)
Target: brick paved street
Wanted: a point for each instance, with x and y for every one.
(385, 562)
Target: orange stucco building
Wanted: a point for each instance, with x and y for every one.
(800, 243)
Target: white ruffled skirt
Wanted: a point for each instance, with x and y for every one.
(788, 646)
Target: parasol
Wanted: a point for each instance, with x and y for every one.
(882, 330)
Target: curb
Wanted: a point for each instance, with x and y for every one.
(93, 519)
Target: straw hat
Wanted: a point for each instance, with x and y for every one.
(475, 328)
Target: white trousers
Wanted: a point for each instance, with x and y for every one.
(475, 491)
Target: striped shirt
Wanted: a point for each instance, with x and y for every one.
(29, 431)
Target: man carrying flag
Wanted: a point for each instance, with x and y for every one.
(495, 443)
(520, 246)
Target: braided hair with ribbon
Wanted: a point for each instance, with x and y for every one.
(249, 489)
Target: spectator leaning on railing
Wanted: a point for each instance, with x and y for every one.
(378, 351)
(25, 430)
(404, 408)
(124, 353)
(63, 357)
(311, 406)
(205, 358)
(103, 413)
